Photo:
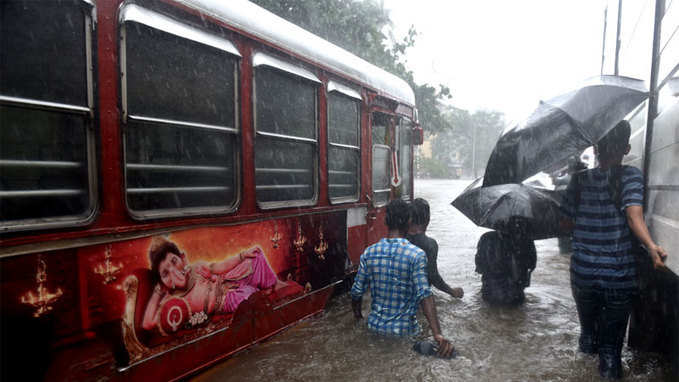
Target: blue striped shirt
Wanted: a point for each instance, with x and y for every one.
(602, 241)
(396, 273)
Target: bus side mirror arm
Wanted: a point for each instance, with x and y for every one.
(418, 135)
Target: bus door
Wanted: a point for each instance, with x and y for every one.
(382, 127)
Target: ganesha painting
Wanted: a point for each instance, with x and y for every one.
(192, 287)
(203, 288)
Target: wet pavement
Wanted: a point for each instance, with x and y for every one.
(533, 342)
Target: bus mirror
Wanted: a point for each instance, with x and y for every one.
(418, 135)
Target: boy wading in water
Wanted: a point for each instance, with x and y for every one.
(395, 271)
(605, 204)
(419, 220)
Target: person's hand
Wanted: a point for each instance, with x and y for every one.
(160, 290)
(658, 255)
(457, 292)
(445, 347)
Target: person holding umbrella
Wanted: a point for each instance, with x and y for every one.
(506, 259)
(604, 205)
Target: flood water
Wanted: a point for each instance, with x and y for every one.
(533, 342)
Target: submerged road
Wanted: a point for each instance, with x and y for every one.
(534, 342)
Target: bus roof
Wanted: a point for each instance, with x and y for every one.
(264, 25)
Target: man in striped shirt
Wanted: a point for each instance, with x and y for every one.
(606, 206)
(396, 273)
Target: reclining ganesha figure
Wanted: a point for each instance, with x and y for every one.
(207, 288)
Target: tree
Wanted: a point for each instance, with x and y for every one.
(473, 135)
(358, 26)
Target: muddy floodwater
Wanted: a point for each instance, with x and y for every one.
(534, 342)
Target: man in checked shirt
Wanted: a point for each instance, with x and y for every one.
(396, 273)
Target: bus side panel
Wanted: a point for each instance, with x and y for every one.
(656, 320)
(357, 229)
(663, 183)
(39, 300)
(98, 295)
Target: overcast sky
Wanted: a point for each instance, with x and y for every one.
(499, 54)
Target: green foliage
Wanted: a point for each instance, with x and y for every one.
(482, 127)
(358, 26)
(432, 168)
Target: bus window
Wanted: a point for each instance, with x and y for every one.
(381, 159)
(344, 151)
(181, 133)
(405, 157)
(46, 146)
(286, 136)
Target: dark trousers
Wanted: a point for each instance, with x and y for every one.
(603, 317)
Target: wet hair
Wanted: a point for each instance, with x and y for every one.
(398, 215)
(419, 212)
(615, 141)
(158, 252)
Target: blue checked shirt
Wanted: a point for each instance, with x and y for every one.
(396, 273)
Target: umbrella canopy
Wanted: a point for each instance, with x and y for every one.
(561, 127)
(496, 206)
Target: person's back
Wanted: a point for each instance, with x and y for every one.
(398, 283)
(419, 220)
(396, 273)
(505, 264)
(602, 241)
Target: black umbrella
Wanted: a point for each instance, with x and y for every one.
(497, 207)
(562, 127)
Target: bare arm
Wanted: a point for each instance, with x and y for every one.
(433, 275)
(233, 261)
(635, 220)
(429, 309)
(566, 225)
(151, 313)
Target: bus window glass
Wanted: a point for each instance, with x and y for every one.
(285, 147)
(45, 119)
(381, 156)
(169, 77)
(405, 158)
(43, 51)
(343, 116)
(181, 141)
(283, 170)
(178, 167)
(344, 148)
(285, 104)
(379, 133)
(43, 161)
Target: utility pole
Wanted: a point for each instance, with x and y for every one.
(617, 38)
(603, 45)
(474, 152)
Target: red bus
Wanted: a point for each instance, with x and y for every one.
(180, 179)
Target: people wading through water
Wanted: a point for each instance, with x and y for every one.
(395, 271)
(419, 220)
(505, 259)
(606, 218)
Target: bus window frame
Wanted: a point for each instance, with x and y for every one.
(349, 92)
(89, 113)
(389, 141)
(406, 124)
(136, 14)
(285, 68)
